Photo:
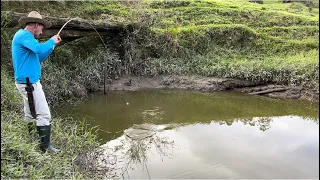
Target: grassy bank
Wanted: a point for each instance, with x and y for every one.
(270, 43)
(273, 42)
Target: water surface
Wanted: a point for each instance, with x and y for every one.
(206, 135)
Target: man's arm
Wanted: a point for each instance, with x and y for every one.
(39, 48)
(45, 55)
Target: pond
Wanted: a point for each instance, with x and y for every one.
(179, 134)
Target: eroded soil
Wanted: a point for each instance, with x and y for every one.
(133, 83)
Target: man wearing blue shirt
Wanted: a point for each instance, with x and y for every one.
(27, 54)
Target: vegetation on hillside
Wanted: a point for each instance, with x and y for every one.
(205, 37)
(273, 42)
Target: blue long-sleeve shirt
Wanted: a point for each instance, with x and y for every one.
(27, 54)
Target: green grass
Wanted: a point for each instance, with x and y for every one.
(271, 42)
(10, 97)
(301, 33)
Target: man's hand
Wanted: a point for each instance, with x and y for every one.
(56, 38)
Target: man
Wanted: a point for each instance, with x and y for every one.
(27, 54)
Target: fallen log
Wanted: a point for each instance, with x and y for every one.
(70, 33)
(268, 91)
(74, 29)
(10, 19)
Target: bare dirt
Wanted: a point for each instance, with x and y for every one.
(133, 83)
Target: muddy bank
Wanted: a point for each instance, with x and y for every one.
(133, 83)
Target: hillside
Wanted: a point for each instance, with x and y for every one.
(270, 42)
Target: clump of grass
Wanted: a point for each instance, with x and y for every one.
(301, 33)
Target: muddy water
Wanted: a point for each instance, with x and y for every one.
(185, 134)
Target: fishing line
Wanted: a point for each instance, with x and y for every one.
(105, 63)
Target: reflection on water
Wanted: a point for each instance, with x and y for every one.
(289, 149)
(112, 114)
(262, 122)
(183, 134)
(130, 150)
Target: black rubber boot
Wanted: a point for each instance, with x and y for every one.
(44, 133)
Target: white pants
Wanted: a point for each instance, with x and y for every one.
(42, 109)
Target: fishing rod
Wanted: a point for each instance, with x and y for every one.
(105, 63)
